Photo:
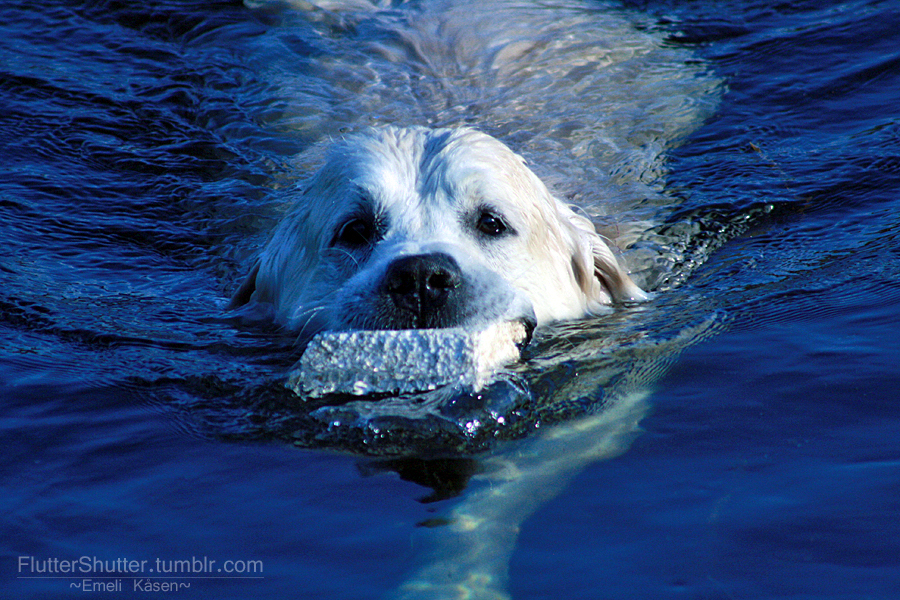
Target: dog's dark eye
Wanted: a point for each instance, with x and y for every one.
(355, 233)
(491, 225)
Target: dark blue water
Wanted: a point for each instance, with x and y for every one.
(146, 154)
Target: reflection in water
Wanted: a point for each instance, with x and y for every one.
(470, 556)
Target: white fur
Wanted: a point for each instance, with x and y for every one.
(425, 186)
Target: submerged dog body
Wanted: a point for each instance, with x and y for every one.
(425, 228)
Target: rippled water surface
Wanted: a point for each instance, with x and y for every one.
(745, 154)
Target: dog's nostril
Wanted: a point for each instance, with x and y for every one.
(442, 280)
(401, 282)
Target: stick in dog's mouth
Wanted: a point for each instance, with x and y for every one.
(410, 360)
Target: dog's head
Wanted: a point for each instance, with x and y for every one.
(421, 228)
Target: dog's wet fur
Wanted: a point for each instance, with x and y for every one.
(407, 228)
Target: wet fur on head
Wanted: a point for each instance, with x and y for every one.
(414, 227)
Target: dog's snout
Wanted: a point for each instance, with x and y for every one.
(422, 284)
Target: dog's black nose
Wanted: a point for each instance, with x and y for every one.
(422, 285)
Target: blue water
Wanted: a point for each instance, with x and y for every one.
(145, 152)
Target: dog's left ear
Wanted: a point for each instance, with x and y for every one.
(598, 259)
(611, 274)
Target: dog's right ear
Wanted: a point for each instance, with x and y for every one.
(243, 294)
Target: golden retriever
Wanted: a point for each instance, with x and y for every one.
(408, 228)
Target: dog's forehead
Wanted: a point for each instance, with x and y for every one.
(433, 168)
